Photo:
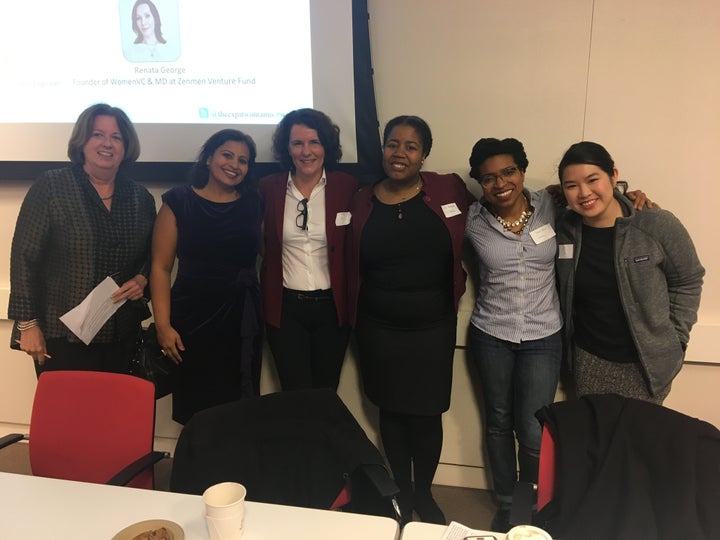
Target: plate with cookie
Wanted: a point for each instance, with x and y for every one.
(152, 529)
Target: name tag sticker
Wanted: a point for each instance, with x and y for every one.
(342, 219)
(450, 210)
(542, 234)
(565, 251)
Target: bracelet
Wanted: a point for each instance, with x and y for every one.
(27, 325)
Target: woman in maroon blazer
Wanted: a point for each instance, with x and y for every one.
(307, 215)
(405, 282)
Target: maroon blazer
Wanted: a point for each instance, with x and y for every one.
(439, 189)
(339, 190)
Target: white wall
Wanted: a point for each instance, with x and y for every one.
(640, 77)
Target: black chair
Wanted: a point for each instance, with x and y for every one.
(301, 448)
(627, 469)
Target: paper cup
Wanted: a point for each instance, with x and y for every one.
(224, 510)
(225, 500)
(229, 528)
(527, 532)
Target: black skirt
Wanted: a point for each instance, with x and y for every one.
(407, 370)
(406, 319)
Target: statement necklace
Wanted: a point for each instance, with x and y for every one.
(521, 221)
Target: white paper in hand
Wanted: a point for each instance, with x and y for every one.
(87, 318)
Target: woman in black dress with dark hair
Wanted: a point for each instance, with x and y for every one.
(210, 322)
(405, 283)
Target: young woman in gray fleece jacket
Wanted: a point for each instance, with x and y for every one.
(629, 283)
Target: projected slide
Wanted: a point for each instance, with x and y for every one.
(163, 61)
(181, 69)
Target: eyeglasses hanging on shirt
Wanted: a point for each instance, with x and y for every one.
(302, 218)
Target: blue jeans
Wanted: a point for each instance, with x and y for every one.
(517, 379)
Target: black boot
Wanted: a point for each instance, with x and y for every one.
(501, 521)
(405, 504)
(427, 508)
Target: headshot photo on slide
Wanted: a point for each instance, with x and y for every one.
(150, 30)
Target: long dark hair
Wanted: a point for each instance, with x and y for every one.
(200, 174)
(587, 153)
(156, 17)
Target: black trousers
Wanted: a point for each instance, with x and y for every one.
(309, 347)
(67, 355)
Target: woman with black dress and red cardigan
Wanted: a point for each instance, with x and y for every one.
(406, 280)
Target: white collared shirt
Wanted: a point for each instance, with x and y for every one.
(304, 252)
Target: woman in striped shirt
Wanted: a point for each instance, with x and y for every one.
(515, 327)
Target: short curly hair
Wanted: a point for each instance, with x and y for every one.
(489, 147)
(328, 133)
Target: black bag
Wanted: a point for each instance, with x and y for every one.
(151, 364)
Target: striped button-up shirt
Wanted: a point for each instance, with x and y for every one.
(517, 298)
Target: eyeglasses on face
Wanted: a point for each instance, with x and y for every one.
(302, 218)
(506, 174)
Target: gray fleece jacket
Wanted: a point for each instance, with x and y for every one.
(660, 279)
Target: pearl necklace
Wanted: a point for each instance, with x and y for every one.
(521, 221)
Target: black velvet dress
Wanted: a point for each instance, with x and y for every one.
(406, 320)
(215, 300)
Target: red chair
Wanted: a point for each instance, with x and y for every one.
(528, 498)
(546, 470)
(92, 426)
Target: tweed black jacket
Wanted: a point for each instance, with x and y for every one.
(66, 242)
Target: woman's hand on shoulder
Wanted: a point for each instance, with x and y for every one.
(640, 200)
(557, 194)
(170, 342)
(32, 341)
